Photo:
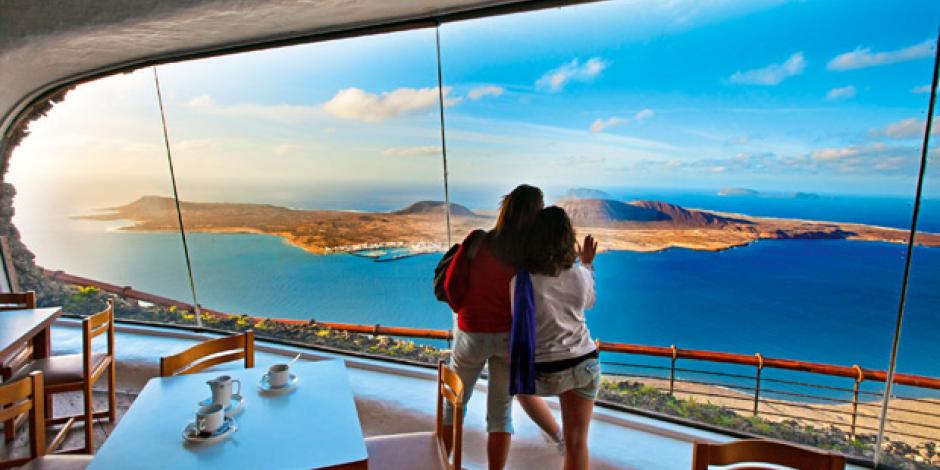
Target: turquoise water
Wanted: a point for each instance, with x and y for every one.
(829, 301)
(825, 301)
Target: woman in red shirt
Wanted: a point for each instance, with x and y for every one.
(478, 289)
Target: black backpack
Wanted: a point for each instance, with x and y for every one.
(440, 271)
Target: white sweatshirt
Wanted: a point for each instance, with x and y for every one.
(560, 302)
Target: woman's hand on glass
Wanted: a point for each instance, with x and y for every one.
(588, 250)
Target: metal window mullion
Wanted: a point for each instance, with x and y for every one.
(892, 363)
(176, 199)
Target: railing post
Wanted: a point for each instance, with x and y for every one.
(760, 367)
(858, 381)
(672, 370)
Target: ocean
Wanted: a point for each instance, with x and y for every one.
(816, 300)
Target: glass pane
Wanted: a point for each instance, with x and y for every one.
(913, 426)
(311, 180)
(740, 166)
(100, 148)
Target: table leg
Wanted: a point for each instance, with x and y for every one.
(42, 343)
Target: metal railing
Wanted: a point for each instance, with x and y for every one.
(746, 393)
(776, 394)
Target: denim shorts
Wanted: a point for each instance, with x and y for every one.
(471, 352)
(584, 379)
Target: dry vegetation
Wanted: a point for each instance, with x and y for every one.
(638, 226)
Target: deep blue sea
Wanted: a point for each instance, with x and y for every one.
(825, 301)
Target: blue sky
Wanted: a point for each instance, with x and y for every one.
(822, 96)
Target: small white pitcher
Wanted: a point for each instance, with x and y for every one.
(222, 390)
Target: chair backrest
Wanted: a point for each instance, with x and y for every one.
(18, 300)
(21, 396)
(209, 353)
(450, 388)
(765, 452)
(93, 326)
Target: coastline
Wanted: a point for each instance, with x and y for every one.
(901, 418)
(639, 226)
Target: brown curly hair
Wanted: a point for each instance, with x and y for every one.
(551, 245)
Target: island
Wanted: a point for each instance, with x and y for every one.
(739, 192)
(643, 226)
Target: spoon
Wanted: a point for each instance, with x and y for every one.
(293, 360)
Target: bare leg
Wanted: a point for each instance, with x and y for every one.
(497, 449)
(576, 418)
(540, 413)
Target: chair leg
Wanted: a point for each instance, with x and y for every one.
(112, 399)
(48, 408)
(9, 426)
(89, 418)
(9, 430)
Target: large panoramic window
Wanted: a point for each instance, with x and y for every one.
(99, 148)
(751, 188)
(311, 177)
(914, 412)
(748, 168)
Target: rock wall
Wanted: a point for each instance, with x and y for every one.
(30, 275)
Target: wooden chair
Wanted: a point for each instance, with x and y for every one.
(424, 450)
(18, 358)
(209, 353)
(25, 396)
(762, 451)
(80, 372)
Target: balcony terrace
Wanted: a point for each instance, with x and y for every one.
(392, 398)
(286, 174)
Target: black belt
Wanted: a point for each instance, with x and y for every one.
(558, 366)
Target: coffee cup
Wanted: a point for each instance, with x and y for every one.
(209, 418)
(278, 375)
(221, 387)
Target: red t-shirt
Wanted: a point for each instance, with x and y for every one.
(478, 290)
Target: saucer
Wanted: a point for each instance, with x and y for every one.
(235, 405)
(191, 435)
(265, 386)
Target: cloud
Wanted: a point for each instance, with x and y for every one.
(201, 102)
(286, 149)
(831, 154)
(411, 151)
(772, 74)
(584, 160)
(359, 105)
(921, 89)
(279, 112)
(864, 57)
(841, 93)
(890, 163)
(555, 80)
(874, 158)
(600, 124)
(195, 145)
(481, 91)
(905, 129)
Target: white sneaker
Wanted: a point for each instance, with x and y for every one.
(558, 441)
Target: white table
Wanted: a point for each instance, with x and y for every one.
(313, 426)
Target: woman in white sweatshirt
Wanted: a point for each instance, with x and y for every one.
(566, 358)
